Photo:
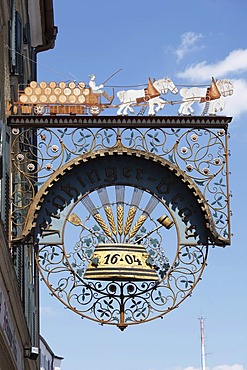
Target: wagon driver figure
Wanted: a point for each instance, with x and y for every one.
(96, 89)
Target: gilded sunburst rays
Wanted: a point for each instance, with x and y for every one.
(120, 190)
(103, 195)
(123, 218)
(116, 218)
(87, 202)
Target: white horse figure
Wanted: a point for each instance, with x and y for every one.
(218, 105)
(198, 94)
(130, 97)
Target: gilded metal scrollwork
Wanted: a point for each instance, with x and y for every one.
(201, 153)
(119, 300)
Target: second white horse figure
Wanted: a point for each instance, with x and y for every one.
(151, 96)
(213, 96)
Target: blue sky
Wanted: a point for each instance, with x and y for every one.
(189, 42)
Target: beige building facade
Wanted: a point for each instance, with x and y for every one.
(26, 28)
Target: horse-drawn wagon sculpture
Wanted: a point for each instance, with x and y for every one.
(77, 98)
(59, 98)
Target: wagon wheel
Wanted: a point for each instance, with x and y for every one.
(94, 110)
(39, 110)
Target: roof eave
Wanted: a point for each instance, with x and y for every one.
(49, 30)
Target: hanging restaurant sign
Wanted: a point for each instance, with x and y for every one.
(121, 238)
(122, 215)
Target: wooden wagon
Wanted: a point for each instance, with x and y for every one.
(59, 98)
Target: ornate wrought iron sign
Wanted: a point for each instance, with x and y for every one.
(124, 217)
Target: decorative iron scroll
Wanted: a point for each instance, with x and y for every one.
(121, 239)
(201, 153)
(113, 244)
(121, 303)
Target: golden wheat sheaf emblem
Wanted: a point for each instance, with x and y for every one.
(119, 224)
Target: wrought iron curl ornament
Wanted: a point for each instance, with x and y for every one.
(204, 155)
(200, 153)
(120, 302)
(124, 303)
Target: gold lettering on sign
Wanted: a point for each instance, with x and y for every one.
(127, 172)
(59, 202)
(184, 213)
(177, 199)
(81, 181)
(139, 172)
(190, 232)
(47, 231)
(70, 190)
(93, 176)
(57, 216)
(164, 186)
(152, 179)
(111, 174)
